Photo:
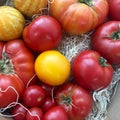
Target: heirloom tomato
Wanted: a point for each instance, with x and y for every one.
(52, 67)
(43, 33)
(12, 23)
(79, 16)
(114, 9)
(91, 70)
(106, 40)
(76, 100)
(30, 8)
(56, 113)
(16, 69)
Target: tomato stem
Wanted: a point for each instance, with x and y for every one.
(103, 61)
(87, 2)
(116, 35)
(66, 100)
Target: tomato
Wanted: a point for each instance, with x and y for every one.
(35, 113)
(30, 8)
(79, 16)
(34, 96)
(52, 67)
(56, 113)
(48, 104)
(12, 23)
(43, 33)
(19, 112)
(16, 69)
(106, 40)
(11, 88)
(114, 9)
(91, 70)
(76, 100)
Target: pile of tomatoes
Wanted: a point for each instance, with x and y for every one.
(34, 75)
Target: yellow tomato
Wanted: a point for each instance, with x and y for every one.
(12, 23)
(52, 67)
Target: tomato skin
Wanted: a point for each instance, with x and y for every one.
(43, 33)
(34, 96)
(91, 70)
(76, 100)
(85, 16)
(114, 9)
(9, 85)
(106, 41)
(35, 113)
(19, 112)
(56, 113)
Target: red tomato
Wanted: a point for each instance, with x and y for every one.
(56, 113)
(11, 87)
(76, 100)
(43, 33)
(33, 96)
(16, 69)
(48, 104)
(106, 40)
(79, 16)
(34, 113)
(114, 9)
(91, 70)
(19, 112)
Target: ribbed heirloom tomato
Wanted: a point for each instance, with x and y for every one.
(79, 16)
(52, 67)
(16, 69)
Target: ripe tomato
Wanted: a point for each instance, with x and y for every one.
(16, 69)
(34, 96)
(12, 23)
(114, 9)
(56, 113)
(19, 112)
(91, 70)
(79, 16)
(29, 8)
(76, 101)
(52, 67)
(35, 113)
(48, 104)
(106, 40)
(43, 33)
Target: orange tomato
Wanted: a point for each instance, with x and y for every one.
(12, 23)
(30, 7)
(52, 67)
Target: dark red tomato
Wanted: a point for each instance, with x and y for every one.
(11, 88)
(34, 96)
(76, 100)
(114, 9)
(19, 112)
(91, 70)
(106, 40)
(43, 33)
(48, 104)
(34, 113)
(56, 113)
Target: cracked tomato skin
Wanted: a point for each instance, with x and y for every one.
(16, 69)
(79, 16)
(91, 70)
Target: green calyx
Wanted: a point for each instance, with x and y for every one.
(103, 62)
(116, 35)
(87, 2)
